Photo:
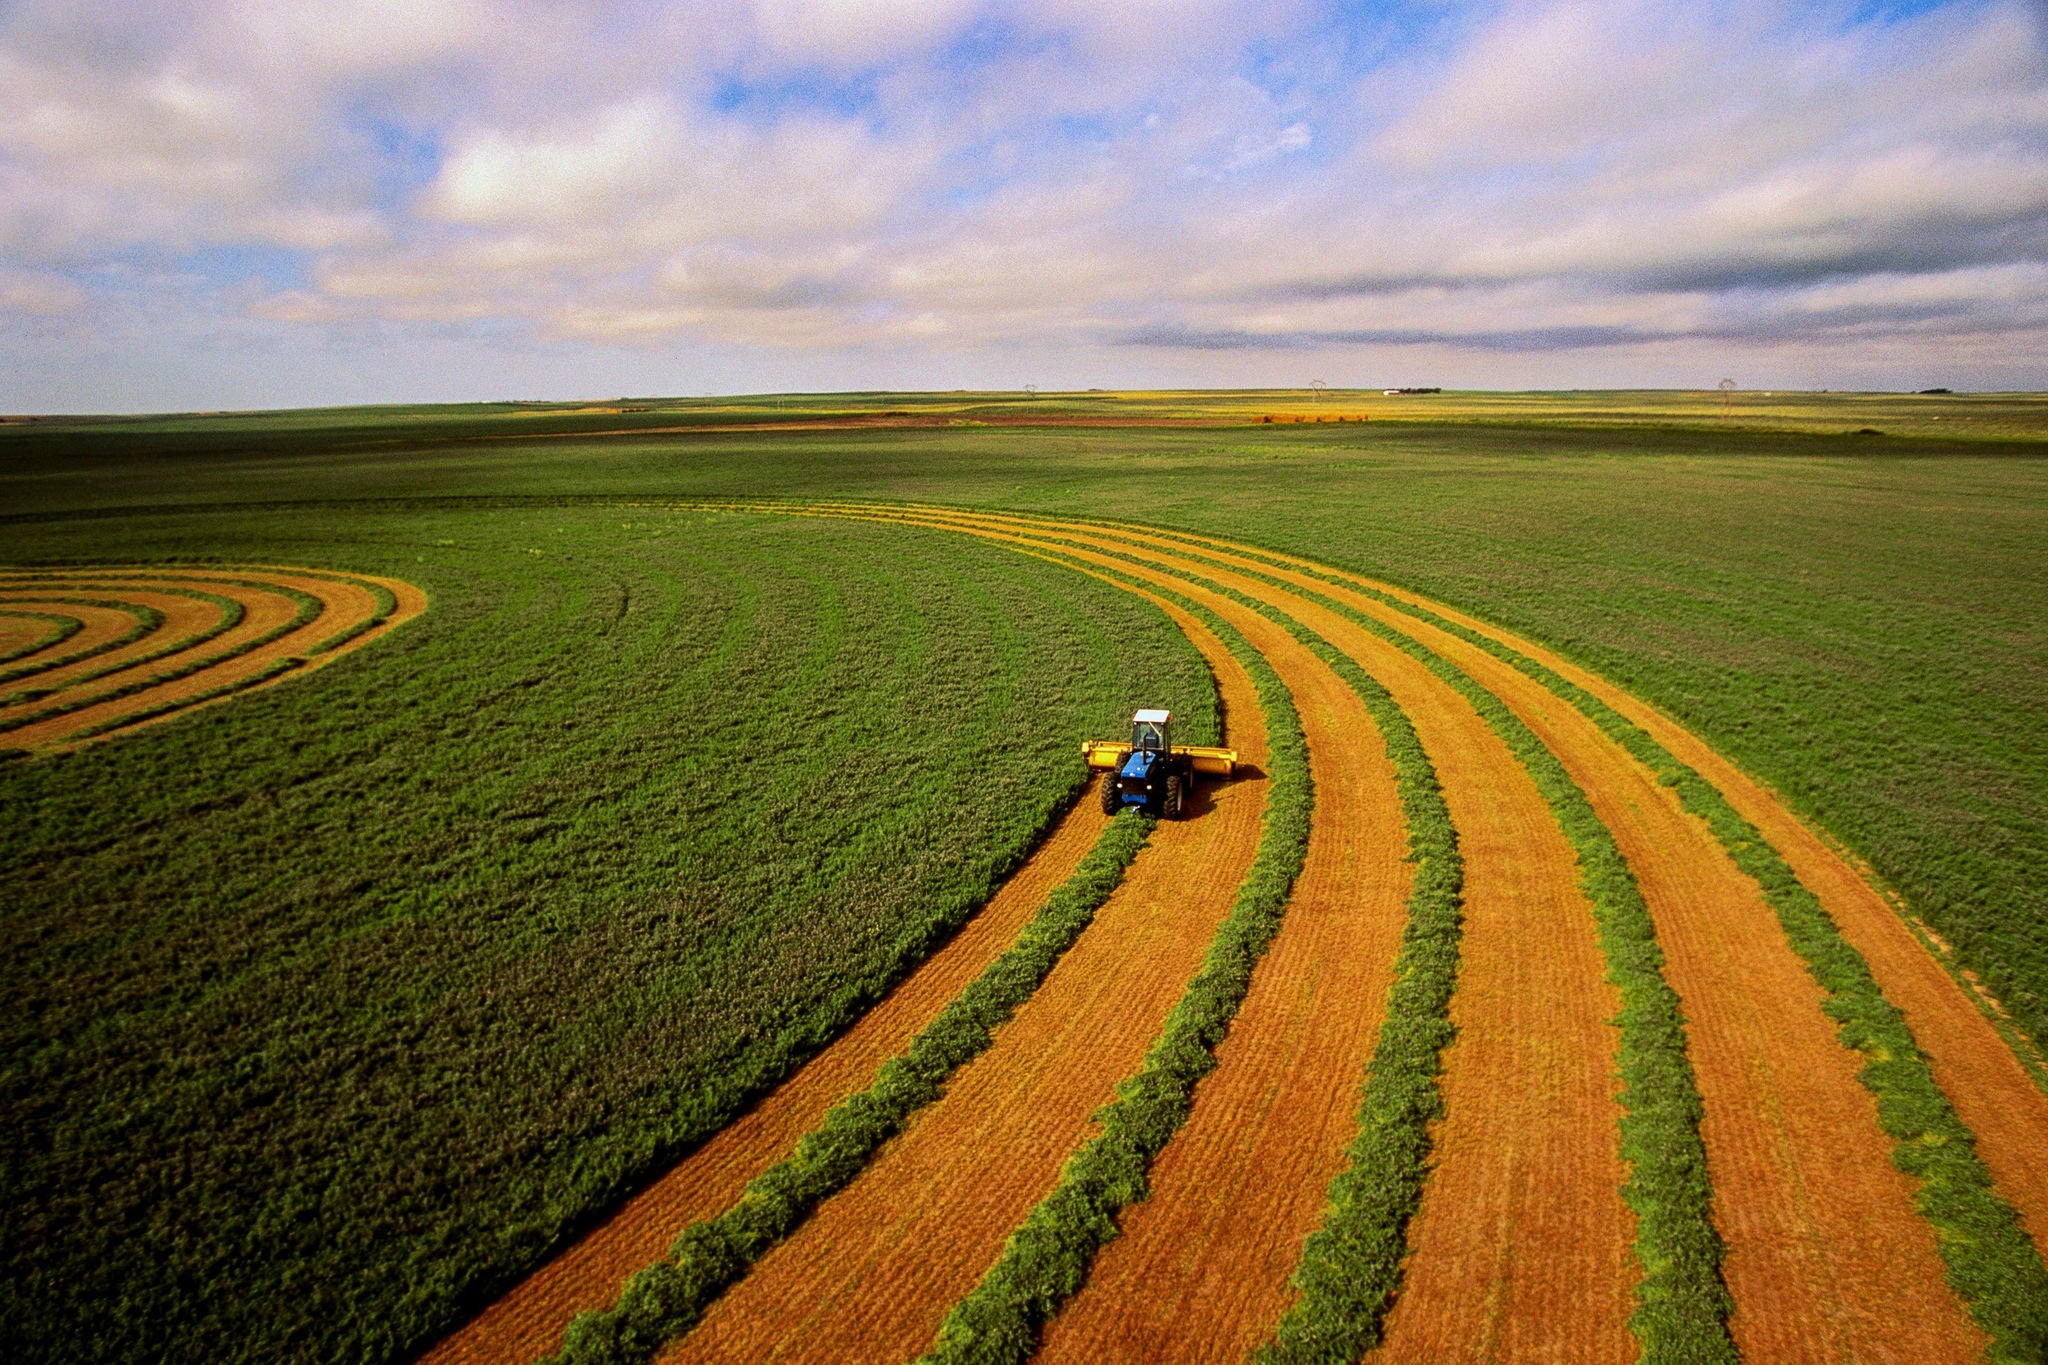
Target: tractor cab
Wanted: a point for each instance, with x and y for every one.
(1149, 732)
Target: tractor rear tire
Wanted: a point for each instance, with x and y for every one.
(1170, 807)
(1110, 803)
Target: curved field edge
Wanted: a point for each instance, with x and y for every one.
(1991, 1263)
(666, 1300)
(388, 611)
(1351, 1269)
(1045, 1261)
(564, 701)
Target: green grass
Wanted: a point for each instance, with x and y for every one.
(667, 1299)
(1857, 621)
(1046, 1260)
(328, 1013)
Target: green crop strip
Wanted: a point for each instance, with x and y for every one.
(1046, 1260)
(1992, 1264)
(666, 1300)
(147, 619)
(1351, 1267)
(61, 628)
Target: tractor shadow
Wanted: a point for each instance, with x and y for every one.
(1202, 800)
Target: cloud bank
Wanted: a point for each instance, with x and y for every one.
(246, 203)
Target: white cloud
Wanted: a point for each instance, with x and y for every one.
(827, 176)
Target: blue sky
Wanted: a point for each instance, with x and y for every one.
(248, 204)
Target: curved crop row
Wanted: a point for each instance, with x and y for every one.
(146, 620)
(1992, 1264)
(59, 629)
(305, 616)
(1351, 1270)
(1683, 1303)
(666, 1300)
(1047, 1258)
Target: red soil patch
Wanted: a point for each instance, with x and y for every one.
(875, 1269)
(527, 1323)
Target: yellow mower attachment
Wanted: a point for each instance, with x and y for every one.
(1110, 753)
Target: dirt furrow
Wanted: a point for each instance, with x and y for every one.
(873, 1272)
(1827, 1258)
(1989, 1087)
(527, 1322)
(1522, 1248)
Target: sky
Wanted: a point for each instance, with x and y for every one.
(264, 204)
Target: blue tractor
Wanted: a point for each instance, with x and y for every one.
(1152, 773)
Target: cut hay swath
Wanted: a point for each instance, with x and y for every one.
(151, 641)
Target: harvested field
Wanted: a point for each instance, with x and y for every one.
(1828, 1256)
(157, 641)
(932, 1212)
(1979, 1073)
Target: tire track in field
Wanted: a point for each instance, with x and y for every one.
(1503, 1264)
(292, 620)
(527, 1323)
(1828, 1257)
(932, 1212)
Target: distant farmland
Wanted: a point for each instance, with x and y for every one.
(667, 927)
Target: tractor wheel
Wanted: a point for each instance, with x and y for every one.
(1109, 801)
(1170, 807)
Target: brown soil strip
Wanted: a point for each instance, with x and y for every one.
(1989, 1087)
(1828, 1258)
(184, 618)
(1523, 1246)
(527, 1323)
(346, 605)
(873, 1272)
(101, 625)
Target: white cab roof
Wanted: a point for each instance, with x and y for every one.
(1154, 717)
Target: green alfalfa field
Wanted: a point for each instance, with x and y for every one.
(331, 1011)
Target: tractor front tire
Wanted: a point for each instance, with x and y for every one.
(1109, 801)
(1170, 806)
